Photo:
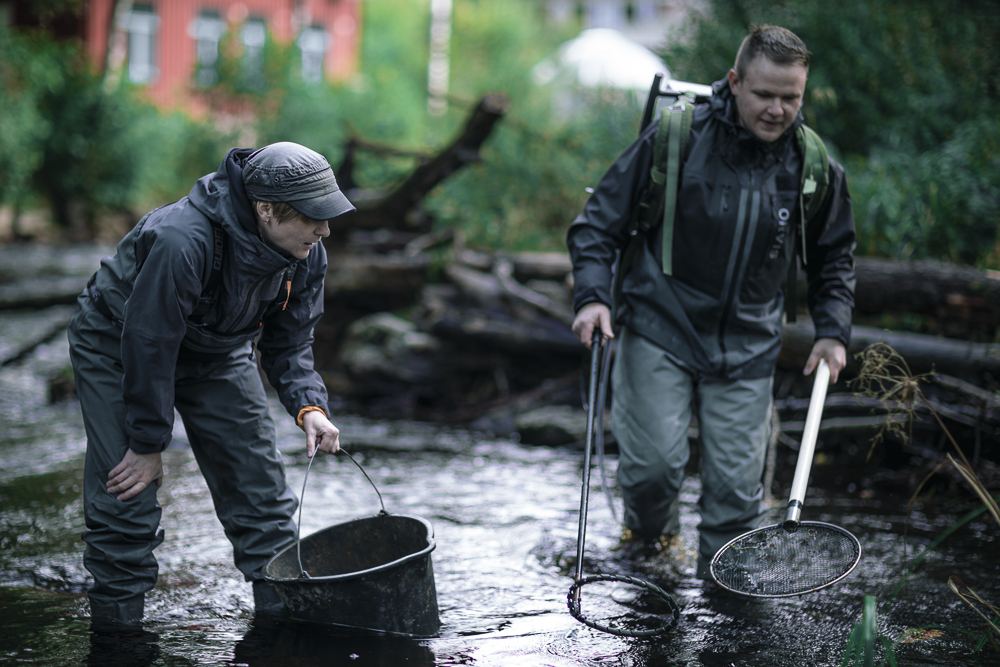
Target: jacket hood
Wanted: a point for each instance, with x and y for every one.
(221, 197)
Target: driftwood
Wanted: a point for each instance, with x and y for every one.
(973, 362)
(928, 287)
(396, 210)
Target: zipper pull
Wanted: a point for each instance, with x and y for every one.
(288, 295)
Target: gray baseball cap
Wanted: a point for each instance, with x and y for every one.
(296, 175)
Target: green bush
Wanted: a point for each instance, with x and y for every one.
(939, 204)
(85, 150)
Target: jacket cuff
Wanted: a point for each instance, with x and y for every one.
(145, 447)
(309, 408)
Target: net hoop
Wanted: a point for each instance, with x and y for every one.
(718, 567)
(573, 601)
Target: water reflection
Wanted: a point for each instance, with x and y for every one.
(271, 645)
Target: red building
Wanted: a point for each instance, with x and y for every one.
(172, 46)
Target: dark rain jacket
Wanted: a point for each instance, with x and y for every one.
(720, 312)
(156, 283)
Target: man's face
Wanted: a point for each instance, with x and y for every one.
(296, 235)
(768, 96)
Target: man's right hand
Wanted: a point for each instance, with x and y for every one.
(135, 473)
(594, 314)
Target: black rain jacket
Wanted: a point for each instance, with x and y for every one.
(735, 233)
(155, 286)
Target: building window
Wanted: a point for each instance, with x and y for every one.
(313, 43)
(142, 24)
(206, 29)
(254, 37)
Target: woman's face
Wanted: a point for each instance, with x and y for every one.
(296, 235)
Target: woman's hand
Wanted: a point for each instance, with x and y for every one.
(135, 473)
(320, 433)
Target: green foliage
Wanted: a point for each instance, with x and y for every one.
(864, 639)
(85, 150)
(534, 166)
(938, 204)
(907, 92)
(532, 179)
(24, 72)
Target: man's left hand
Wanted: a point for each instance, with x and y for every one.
(833, 351)
(320, 433)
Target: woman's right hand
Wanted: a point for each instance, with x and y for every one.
(135, 473)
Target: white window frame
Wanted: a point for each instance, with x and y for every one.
(313, 43)
(142, 25)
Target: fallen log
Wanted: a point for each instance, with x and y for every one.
(978, 363)
(929, 287)
(377, 282)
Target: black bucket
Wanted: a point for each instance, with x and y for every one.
(372, 574)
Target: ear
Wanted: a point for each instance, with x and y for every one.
(734, 82)
(265, 211)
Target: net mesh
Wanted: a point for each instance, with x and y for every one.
(776, 561)
(652, 613)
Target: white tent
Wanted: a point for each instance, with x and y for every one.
(604, 58)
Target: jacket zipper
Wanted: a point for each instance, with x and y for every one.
(730, 288)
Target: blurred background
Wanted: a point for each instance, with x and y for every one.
(108, 108)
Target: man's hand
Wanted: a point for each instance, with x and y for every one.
(594, 314)
(135, 473)
(320, 433)
(833, 351)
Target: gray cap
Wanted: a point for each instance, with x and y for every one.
(300, 177)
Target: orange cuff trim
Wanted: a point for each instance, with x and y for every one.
(308, 408)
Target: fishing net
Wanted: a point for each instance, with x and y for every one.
(639, 609)
(776, 561)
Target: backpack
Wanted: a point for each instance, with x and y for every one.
(659, 201)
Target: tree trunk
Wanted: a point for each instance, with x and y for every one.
(396, 210)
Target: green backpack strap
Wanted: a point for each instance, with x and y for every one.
(672, 138)
(815, 179)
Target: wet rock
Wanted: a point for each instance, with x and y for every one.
(23, 331)
(390, 347)
(552, 425)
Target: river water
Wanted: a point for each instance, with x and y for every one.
(505, 518)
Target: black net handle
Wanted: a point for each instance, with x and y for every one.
(573, 601)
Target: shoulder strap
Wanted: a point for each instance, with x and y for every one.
(210, 291)
(678, 134)
(815, 176)
(669, 148)
(218, 251)
(815, 179)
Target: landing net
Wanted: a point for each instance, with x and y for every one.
(777, 562)
(648, 610)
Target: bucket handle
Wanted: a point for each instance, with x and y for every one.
(302, 501)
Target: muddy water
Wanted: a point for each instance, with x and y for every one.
(505, 519)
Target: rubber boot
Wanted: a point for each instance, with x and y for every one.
(266, 602)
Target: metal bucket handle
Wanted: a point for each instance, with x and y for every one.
(302, 501)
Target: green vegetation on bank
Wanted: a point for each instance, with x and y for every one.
(902, 92)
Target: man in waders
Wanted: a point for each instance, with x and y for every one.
(701, 303)
(176, 319)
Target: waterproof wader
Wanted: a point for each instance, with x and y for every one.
(224, 410)
(651, 410)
